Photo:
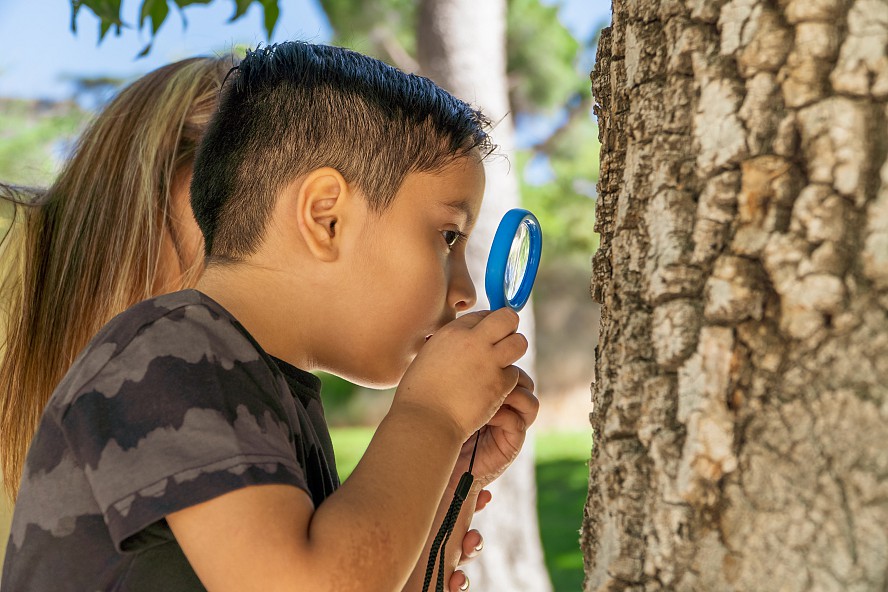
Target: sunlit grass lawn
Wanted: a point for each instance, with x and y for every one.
(562, 472)
(562, 482)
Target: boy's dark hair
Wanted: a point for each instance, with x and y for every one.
(290, 108)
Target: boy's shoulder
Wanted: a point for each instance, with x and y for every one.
(184, 312)
(185, 326)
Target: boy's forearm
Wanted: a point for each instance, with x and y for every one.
(372, 530)
(454, 545)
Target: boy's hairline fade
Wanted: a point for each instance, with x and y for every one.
(411, 124)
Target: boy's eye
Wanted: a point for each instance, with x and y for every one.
(451, 237)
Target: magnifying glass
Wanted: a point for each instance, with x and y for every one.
(513, 261)
(511, 271)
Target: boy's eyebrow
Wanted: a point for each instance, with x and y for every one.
(461, 207)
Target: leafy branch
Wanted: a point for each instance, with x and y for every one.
(156, 11)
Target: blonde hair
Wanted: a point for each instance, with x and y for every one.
(90, 246)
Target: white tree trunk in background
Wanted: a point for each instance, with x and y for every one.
(741, 395)
(462, 48)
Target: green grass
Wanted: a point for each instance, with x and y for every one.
(349, 445)
(562, 482)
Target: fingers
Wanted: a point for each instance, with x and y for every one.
(484, 498)
(522, 401)
(471, 319)
(459, 582)
(498, 329)
(498, 324)
(525, 381)
(472, 545)
(517, 413)
(510, 378)
(509, 350)
(509, 422)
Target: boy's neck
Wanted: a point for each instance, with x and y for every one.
(268, 310)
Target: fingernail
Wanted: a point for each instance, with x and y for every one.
(465, 585)
(479, 547)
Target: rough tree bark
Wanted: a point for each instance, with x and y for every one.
(462, 46)
(741, 394)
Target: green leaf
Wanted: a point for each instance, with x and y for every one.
(157, 11)
(104, 26)
(75, 8)
(184, 3)
(145, 51)
(272, 12)
(240, 8)
(107, 10)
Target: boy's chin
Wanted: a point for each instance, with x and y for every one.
(381, 375)
(378, 385)
(379, 379)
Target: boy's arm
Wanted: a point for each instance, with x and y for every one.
(369, 534)
(271, 538)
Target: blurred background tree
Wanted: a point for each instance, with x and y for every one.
(549, 99)
(34, 136)
(547, 91)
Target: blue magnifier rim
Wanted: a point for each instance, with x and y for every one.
(495, 276)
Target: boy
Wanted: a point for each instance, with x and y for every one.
(186, 449)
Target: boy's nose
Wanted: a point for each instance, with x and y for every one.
(462, 294)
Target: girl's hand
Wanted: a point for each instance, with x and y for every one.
(473, 542)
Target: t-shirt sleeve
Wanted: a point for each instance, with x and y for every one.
(184, 411)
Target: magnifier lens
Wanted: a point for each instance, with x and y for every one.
(513, 261)
(516, 265)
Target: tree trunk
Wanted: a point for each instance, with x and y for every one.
(462, 46)
(741, 394)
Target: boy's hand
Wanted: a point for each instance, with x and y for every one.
(503, 436)
(464, 377)
(464, 372)
(500, 442)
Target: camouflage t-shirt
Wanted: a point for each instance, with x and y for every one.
(173, 403)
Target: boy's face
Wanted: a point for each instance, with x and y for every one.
(409, 272)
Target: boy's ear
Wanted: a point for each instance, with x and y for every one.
(320, 204)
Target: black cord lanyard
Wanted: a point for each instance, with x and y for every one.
(440, 542)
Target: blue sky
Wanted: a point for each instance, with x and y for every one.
(40, 51)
